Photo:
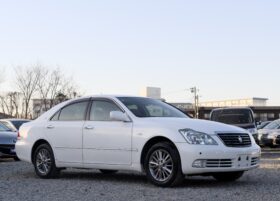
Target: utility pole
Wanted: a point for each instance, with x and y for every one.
(194, 90)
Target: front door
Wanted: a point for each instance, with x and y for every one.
(106, 141)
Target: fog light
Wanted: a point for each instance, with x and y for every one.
(199, 164)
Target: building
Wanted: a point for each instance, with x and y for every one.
(151, 92)
(245, 102)
(259, 106)
(261, 113)
(183, 106)
(5, 116)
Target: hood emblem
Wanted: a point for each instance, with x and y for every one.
(240, 139)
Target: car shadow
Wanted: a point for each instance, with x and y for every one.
(190, 182)
(118, 177)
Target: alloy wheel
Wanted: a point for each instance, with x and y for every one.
(161, 165)
(43, 161)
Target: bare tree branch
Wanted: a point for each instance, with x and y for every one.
(27, 79)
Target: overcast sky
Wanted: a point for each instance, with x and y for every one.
(227, 48)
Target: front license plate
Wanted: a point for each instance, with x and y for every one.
(243, 161)
(13, 151)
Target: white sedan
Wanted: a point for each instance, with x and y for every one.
(114, 133)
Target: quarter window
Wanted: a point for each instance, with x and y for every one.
(74, 112)
(100, 110)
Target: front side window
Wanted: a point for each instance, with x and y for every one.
(74, 112)
(100, 110)
(147, 107)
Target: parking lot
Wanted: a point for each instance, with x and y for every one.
(18, 182)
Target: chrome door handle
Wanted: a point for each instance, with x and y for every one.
(89, 127)
(50, 126)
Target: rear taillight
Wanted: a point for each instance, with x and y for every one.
(18, 136)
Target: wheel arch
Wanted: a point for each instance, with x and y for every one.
(150, 143)
(37, 144)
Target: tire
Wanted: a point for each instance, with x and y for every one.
(163, 166)
(44, 162)
(228, 176)
(108, 171)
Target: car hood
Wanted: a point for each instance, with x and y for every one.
(209, 127)
(8, 137)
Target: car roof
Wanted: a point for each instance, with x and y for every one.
(232, 108)
(107, 96)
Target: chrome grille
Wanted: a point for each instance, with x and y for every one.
(218, 163)
(235, 139)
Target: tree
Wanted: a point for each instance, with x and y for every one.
(27, 80)
(9, 103)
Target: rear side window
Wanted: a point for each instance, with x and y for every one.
(100, 110)
(73, 112)
(18, 124)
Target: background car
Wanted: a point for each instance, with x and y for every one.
(240, 117)
(269, 135)
(13, 124)
(8, 139)
(263, 124)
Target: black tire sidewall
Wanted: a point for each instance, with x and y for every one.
(176, 163)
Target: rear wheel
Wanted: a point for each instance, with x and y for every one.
(228, 176)
(162, 165)
(44, 162)
(108, 171)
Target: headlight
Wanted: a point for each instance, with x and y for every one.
(195, 137)
(253, 130)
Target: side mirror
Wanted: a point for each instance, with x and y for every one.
(119, 116)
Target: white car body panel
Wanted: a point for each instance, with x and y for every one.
(119, 145)
(66, 139)
(107, 143)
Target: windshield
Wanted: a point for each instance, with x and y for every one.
(273, 125)
(4, 128)
(234, 116)
(17, 124)
(147, 107)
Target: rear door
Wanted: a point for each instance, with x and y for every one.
(65, 130)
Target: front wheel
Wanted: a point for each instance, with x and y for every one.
(162, 165)
(228, 176)
(44, 162)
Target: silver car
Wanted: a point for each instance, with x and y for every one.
(14, 124)
(270, 134)
(8, 139)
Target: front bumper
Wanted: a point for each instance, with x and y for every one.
(7, 150)
(236, 159)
